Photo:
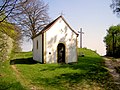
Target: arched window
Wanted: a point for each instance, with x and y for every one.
(37, 44)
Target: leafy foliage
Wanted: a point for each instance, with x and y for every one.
(112, 41)
(10, 37)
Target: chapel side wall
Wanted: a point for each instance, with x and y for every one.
(61, 33)
(37, 52)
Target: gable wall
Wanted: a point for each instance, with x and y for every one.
(37, 52)
(60, 33)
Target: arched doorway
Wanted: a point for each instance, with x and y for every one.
(61, 53)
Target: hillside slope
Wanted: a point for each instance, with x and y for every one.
(89, 73)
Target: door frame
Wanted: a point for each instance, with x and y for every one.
(64, 53)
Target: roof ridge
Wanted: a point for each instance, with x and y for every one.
(51, 24)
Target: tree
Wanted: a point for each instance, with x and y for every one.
(6, 9)
(112, 41)
(31, 16)
(116, 6)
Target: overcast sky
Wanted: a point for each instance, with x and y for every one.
(93, 16)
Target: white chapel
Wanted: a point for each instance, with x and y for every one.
(56, 43)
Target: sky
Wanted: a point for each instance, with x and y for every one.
(93, 16)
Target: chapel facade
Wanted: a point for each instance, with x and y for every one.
(56, 43)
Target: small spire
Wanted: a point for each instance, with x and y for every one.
(61, 14)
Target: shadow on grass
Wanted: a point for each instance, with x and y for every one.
(84, 63)
(23, 61)
(11, 86)
(92, 67)
(93, 71)
(75, 80)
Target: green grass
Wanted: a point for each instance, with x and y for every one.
(89, 73)
(8, 79)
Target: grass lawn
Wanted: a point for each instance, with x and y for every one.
(88, 74)
(8, 79)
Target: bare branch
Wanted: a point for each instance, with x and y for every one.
(31, 16)
(9, 11)
(7, 8)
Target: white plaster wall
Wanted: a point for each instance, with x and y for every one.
(60, 33)
(37, 53)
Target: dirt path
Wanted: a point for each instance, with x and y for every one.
(23, 81)
(111, 64)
